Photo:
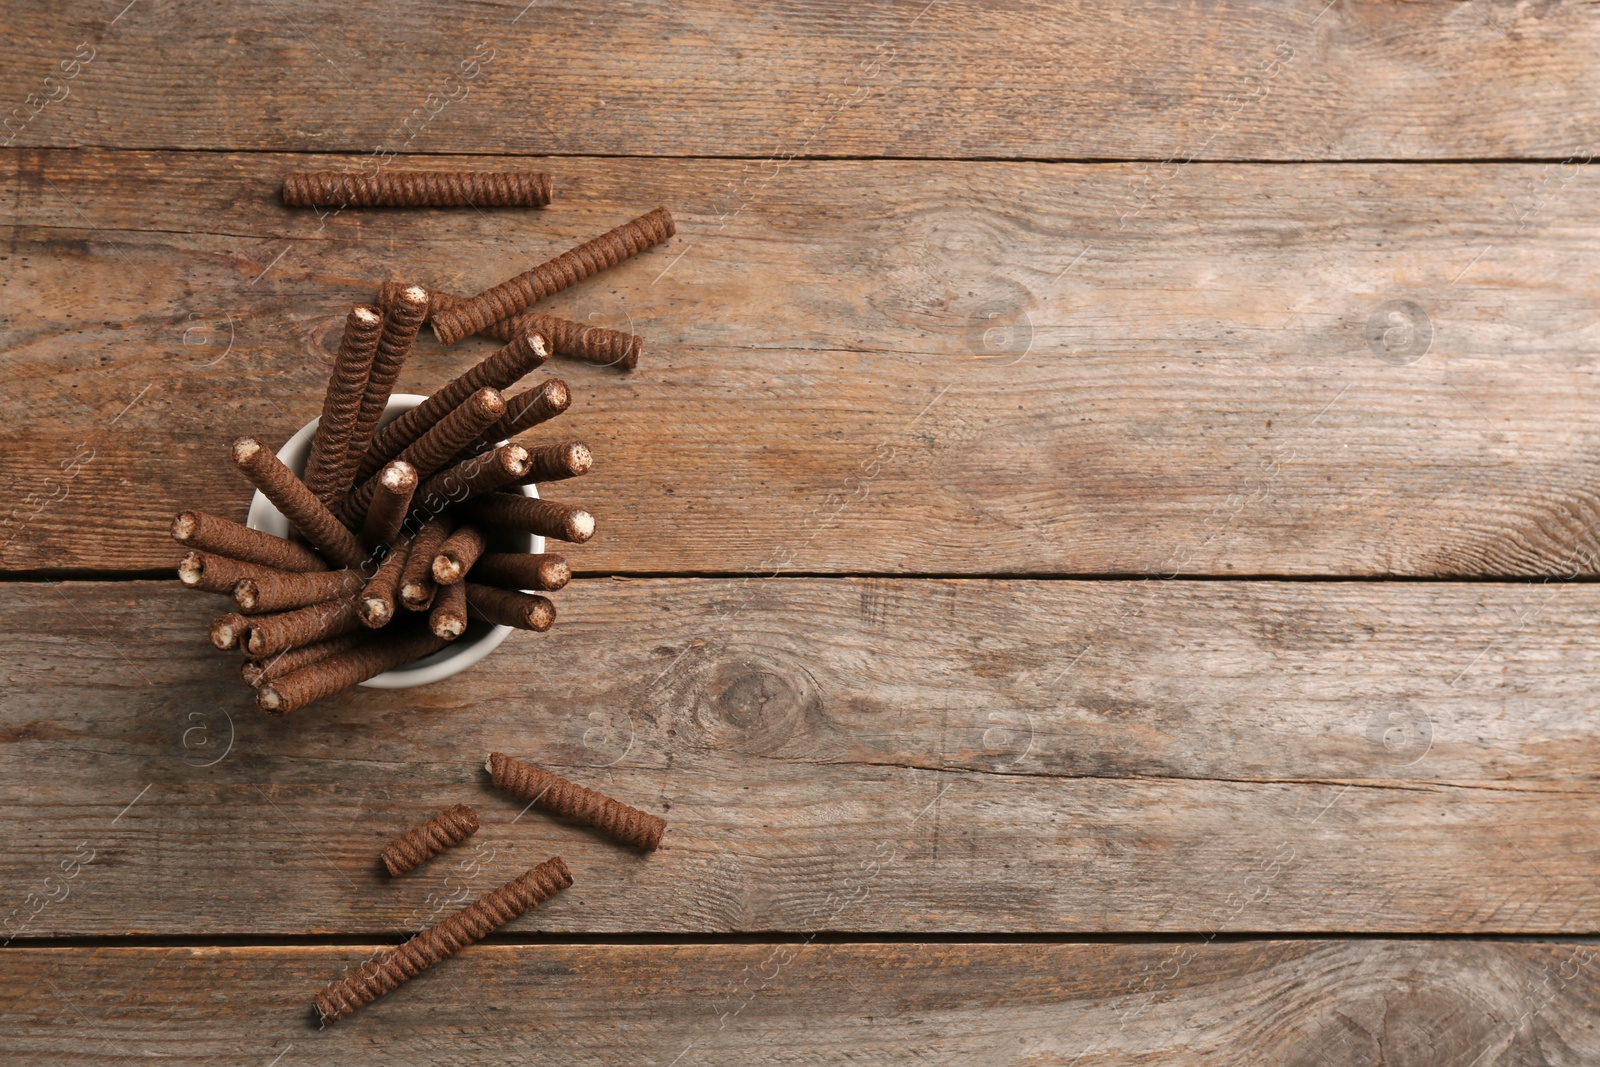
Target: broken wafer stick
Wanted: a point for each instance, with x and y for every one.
(222, 537)
(391, 500)
(447, 619)
(416, 581)
(404, 309)
(484, 473)
(511, 296)
(435, 448)
(527, 515)
(383, 652)
(377, 596)
(555, 794)
(212, 573)
(459, 552)
(255, 671)
(297, 503)
(263, 593)
(509, 607)
(421, 843)
(416, 188)
(553, 463)
(229, 631)
(271, 634)
(521, 570)
(347, 385)
(489, 912)
(500, 371)
(592, 344)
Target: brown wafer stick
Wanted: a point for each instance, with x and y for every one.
(511, 296)
(458, 553)
(500, 371)
(421, 843)
(396, 484)
(489, 912)
(383, 652)
(377, 596)
(211, 573)
(416, 581)
(404, 309)
(528, 409)
(229, 631)
(521, 570)
(253, 672)
(552, 463)
(435, 448)
(298, 504)
(347, 385)
(579, 340)
(271, 634)
(555, 794)
(544, 517)
(262, 593)
(222, 537)
(416, 188)
(509, 607)
(448, 617)
(484, 473)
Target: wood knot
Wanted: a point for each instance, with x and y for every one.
(755, 709)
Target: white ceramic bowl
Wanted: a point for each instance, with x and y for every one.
(480, 638)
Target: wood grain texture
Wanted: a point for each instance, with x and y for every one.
(916, 756)
(1295, 1003)
(1238, 79)
(870, 367)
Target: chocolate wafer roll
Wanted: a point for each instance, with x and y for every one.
(447, 618)
(416, 580)
(578, 340)
(500, 371)
(555, 794)
(544, 517)
(435, 448)
(271, 634)
(416, 188)
(521, 570)
(298, 504)
(508, 607)
(489, 912)
(391, 500)
(268, 593)
(458, 553)
(347, 386)
(421, 843)
(218, 574)
(377, 597)
(383, 652)
(553, 463)
(526, 410)
(511, 296)
(404, 309)
(229, 631)
(222, 537)
(505, 466)
(253, 672)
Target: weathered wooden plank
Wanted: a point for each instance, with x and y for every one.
(1299, 1003)
(840, 755)
(871, 367)
(1239, 79)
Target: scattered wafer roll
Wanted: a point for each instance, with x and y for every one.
(500, 371)
(404, 309)
(378, 595)
(218, 574)
(416, 188)
(391, 500)
(416, 581)
(458, 553)
(267, 593)
(579, 340)
(421, 843)
(255, 671)
(483, 473)
(521, 570)
(488, 913)
(347, 385)
(271, 634)
(509, 607)
(298, 504)
(222, 537)
(561, 797)
(447, 618)
(552, 463)
(511, 296)
(526, 410)
(435, 448)
(230, 630)
(527, 515)
(385, 651)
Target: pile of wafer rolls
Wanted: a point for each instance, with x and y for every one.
(391, 555)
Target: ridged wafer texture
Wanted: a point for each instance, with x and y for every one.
(405, 307)
(484, 473)
(285, 591)
(511, 607)
(347, 386)
(271, 634)
(255, 671)
(438, 446)
(223, 537)
(553, 463)
(391, 500)
(447, 619)
(297, 503)
(383, 652)
(211, 573)
(527, 515)
(228, 631)
(378, 595)
(555, 794)
(413, 188)
(526, 410)
(577, 340)
(489, 912)
(522, 570)
(416, 581)
(421, 843)
(458, 553)
(511, 296)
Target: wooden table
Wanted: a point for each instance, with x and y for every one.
(1083, 563)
